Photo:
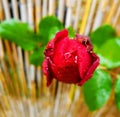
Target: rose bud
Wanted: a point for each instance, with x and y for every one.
(69, 60)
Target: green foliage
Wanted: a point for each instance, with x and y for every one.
(52, 32)
(37, 57)
(102, 34)
(23, 36)
(109, 53)
(71, 32)
(97, 90)
(107, 46)
(19, 33)
(117, 92)
(49, 24)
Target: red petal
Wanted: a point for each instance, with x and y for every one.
(84, 60)
(65, 60)
(92, 68)
(51, 45)
(61, 35)
(46, 71)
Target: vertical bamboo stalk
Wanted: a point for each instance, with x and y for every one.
(21, 108)
(45, 12)
(37, 20)
(24, 16)
(1, 45)
(15, 8)
(7, 14)
(61, 6)
(1, 11)
(8, 80)
(85, 16)
(31, 109)
(68, 17)
(116, 19)
(11, 60)
(20, 58)
(30, 4)
(90, 17)
(23, 10)
(2, 79)
(68, 21)
(99, 16)
(39, 80)
(12, 110)
(6, 75)
(77, 15)
(6, 9)
(37, 13)
(51, 7)
(1, 50)
(44, 8)
(13, 67)
(57, 100)
(2, 113)
(112, 11)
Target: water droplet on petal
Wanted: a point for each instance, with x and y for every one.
(76, 59)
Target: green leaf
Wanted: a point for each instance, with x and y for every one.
(19, 33)
(37, 57)
(102, 34)
(49, 24)
(117, 92)
(109, 53)
(71, 32)
(97, 90)
(52, 32)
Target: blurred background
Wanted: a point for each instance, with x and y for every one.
(23, 90)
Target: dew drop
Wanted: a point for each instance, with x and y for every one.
(76, 59)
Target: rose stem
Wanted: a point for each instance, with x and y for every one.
(91, 16)
(105, 69)
(61, 8)
(77, 14)
(7, 46)
(85, 16)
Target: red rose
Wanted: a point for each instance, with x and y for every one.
(69, 60)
